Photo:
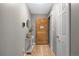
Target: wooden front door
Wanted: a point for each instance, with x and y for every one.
(41, 31)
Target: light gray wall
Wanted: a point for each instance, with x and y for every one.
(52, 39)
(34, 16)
(12, 35)
(75, 29)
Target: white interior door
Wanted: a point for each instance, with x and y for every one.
(62, 34)
(58, 30)
(58, 36)
(65, 30)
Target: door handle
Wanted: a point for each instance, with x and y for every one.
(58, 38)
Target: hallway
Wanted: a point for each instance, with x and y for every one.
(39, 29)
(43, 26)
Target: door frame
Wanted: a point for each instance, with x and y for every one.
(49, 30)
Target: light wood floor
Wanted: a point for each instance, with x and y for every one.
(42, 50)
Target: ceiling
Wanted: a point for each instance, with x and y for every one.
(39, 8)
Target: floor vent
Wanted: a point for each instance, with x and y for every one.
(28, 53)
